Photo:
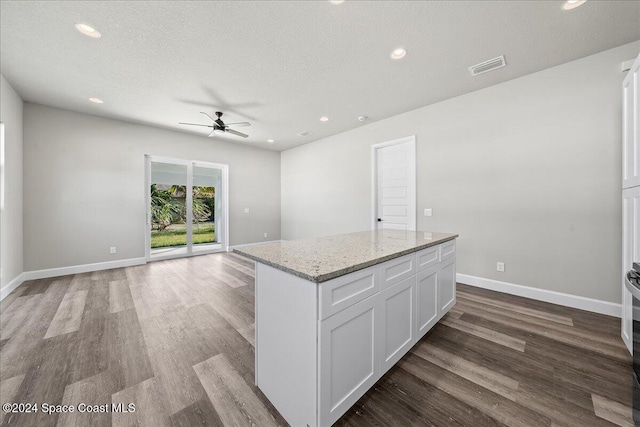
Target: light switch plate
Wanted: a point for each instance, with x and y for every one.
(246, 210)
(428, 212)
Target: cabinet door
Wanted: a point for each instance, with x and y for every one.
(427, 300)
(397, 325)
(630, 254)
(627, 318)
(631, 127)
(447, 285)
(347, 358)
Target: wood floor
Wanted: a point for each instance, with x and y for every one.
(175, 338)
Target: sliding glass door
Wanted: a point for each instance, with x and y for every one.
(186, 209)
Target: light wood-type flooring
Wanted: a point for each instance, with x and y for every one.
(176, 339)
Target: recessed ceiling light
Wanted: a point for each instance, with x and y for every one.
(270, 141)
(96, 100)
(88, 30)
(324, 119)
(572, 4)
(336, 1)
(398, 53)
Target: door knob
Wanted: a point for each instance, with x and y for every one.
(379, 219)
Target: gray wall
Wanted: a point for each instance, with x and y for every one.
(85, 188)
(528, 172)
(11, 260)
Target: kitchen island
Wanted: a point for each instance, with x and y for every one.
(334, 313)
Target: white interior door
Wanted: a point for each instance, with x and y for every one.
(394, 183)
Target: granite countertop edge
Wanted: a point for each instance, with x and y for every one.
(341, 272)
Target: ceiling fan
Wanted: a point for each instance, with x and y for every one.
(219, 127)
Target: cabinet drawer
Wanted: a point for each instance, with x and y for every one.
(344, 291)
(447, 250)
(396, 270)
(427, 258)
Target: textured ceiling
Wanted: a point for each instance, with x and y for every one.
(281, 65)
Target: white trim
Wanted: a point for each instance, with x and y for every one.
(374, 179)
(225, 204)
(231, 248)
(155, 258)
(568, 300)
(189, 213)
(84, 268)
(147, 206)
(9, 287)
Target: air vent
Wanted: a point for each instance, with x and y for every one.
(490, 65)
(305, 133)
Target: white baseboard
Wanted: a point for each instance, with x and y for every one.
(231, 248)
(84, 268)
(9, 287)
(568, 300)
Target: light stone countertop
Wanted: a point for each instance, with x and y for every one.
(324, 258)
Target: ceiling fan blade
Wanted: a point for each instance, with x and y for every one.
(239, 124)
(212, 119)
(195, 124)
(235, 132)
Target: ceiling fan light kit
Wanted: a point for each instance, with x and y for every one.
(218, 127)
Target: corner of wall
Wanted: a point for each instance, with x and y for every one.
(11, 218)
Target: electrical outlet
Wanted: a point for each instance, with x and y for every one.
(428, 212)
(500, 267)
(1, 273)
(265, 234)
(246, 210)
(112, 250)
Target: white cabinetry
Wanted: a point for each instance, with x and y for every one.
(447, 285)
(344, 291)
(631, 189)
(427, 299)
(320, 347)
(397, 325)
(347, 358)
(360, 343)
(397, 269)
(630, 253)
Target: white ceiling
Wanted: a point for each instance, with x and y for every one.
(281, 65)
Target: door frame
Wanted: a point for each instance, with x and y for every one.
(223, 237)
(374, 178)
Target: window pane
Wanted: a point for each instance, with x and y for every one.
(168, 206)
(206, 182)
